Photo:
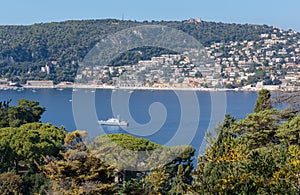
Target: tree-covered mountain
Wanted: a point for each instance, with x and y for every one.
(24, 50)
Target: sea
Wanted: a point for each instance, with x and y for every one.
(164, 117)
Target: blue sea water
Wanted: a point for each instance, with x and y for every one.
(165, 117)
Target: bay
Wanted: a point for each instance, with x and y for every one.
(147, 109)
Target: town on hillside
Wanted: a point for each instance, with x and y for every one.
(272, 62)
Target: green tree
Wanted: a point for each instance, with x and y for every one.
(256, 155)
(289, 132)
(263, 101)
(175, 165)
(219, 169)
(159, 180)
(78, 171)
(25, 112)
(132, 153)
(10, 183)
(30, 110)
(135, 187)
(4, 113)
(258, 129)
(157, 168)
(23, 147)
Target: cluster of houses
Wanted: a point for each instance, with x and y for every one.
(277, 53)
(184, 70)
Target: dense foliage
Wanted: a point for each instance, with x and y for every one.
(62, 46)
(257, 155)
(22, 150)
(25, 112)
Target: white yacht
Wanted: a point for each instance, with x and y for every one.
(113, 122)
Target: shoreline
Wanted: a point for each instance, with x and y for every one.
(252, 89)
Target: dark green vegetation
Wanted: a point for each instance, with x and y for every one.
(257, 155)
(25, 112)
(62, 46)
(263, 102)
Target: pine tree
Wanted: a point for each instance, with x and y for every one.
(263, 101)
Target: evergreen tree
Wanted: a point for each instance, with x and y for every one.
(263, 101)
(78, 171)
(23, 147)
(25, 112)
(257, 155)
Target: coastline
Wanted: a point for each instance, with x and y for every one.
(81, 86)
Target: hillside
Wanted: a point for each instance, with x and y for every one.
(24, 50)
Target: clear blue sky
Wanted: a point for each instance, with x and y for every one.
(283, 14)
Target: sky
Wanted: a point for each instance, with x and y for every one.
(283, 14)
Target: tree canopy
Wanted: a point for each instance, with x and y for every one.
(256, 155)
(25, 112)
(22, 147)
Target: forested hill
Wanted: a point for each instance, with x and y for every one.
(25, 49)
